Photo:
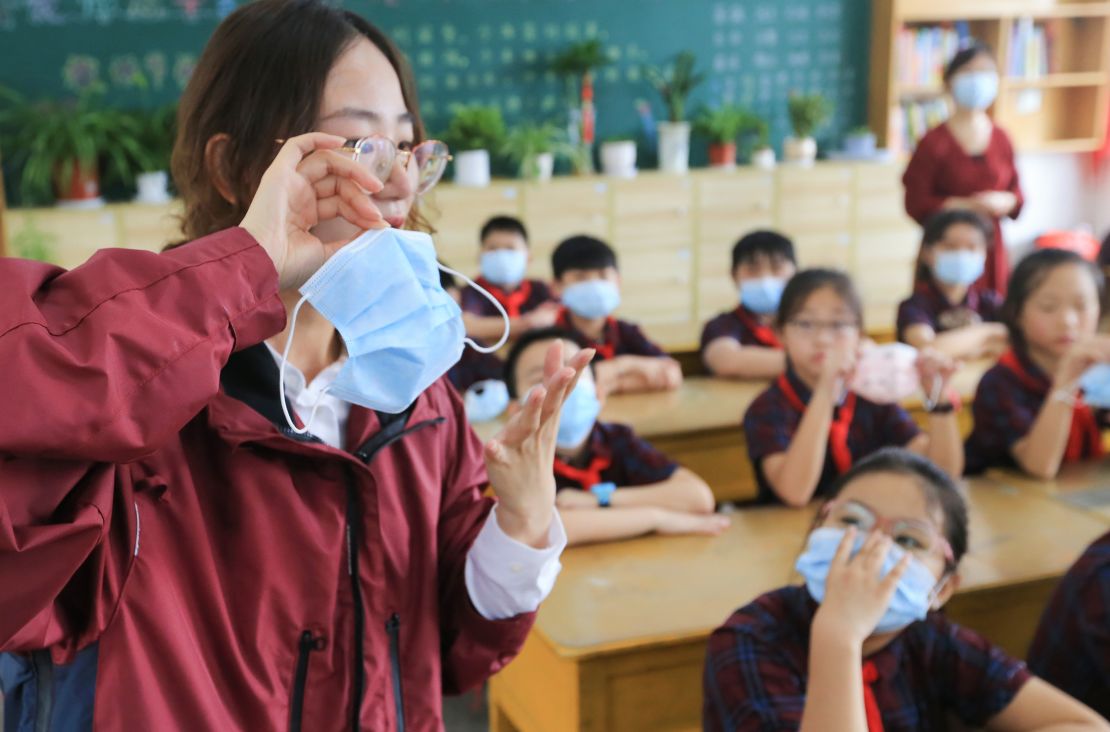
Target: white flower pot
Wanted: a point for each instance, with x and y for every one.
(152, 187)
(674, 147)
(472, 168)
(543, 165)
(764, 158)
(803, 150)
(618, 159)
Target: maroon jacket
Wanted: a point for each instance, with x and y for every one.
(172, 558)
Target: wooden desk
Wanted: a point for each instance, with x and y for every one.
(620, 644)
(1083, 486)
(700, 425)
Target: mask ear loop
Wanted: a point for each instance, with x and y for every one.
(281, 377)
(504, 335)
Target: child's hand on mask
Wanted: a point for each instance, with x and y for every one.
(856, 597)
(837, 369)
(1080, 357)
(936, 371)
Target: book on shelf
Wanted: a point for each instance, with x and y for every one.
(923, 52)
(912, 119)
(1030, 50)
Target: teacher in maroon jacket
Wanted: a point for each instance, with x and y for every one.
(968, 161)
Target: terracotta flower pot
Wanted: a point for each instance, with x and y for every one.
(722, 154)
(83, 183)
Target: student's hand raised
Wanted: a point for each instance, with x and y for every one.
(307, 183)
(520, 458)
(855, 595)
(1080, 357)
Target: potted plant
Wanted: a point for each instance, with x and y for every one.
(722, 127)
(618, 156)
(475, 131)
(577, 65)
(63, 147)
(158, 128)
(807, 113)
(31, 242)
(675, 84)
(860, 143)
(533, 148)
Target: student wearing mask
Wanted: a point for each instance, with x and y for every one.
(968, 161)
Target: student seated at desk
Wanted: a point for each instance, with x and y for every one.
(808, 427)
(473, 367)
(862, 646)
(504, 261)
(587, 281)
(1028, 409)
(611, 484)
(947, 310)
(742, 343)
(1072, 647)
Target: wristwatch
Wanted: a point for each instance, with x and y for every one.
(603, 492)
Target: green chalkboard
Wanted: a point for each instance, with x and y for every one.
(479, 51)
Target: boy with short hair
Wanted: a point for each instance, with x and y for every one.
(503, 264)
(742, 343)
(588, 283)
(611, 484)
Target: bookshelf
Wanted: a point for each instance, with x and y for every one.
(1053, 59)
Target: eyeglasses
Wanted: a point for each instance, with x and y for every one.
(837, 328)
(920, 538)
(379, 154)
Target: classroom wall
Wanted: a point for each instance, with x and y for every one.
(1099, 203)
(1057, 192)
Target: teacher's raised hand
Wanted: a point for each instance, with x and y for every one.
(309, 182)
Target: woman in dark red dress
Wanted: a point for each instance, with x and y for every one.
(968, 161)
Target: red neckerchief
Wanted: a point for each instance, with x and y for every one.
(511, 301)
(870, 705)
(586, 477)
(605, 350)
(763, 333)
(1084, 438)
(838, 432)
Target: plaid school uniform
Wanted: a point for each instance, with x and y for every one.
(928, 306)
(619, 338)
(859, 428)
(757, 668)
(741, 325)
(1071, 650)
(1007, 401)
(614, 454)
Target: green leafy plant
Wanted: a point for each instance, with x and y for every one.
(725, 124)
(528, 140)
(860, 131)
(476, 128)
(32, 242)
(807, 113)
(619, 137)
(49, 139)
(581, 58)
(676, 82)
(157, 131)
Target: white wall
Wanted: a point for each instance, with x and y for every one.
(1098, 202)
(1058, 195)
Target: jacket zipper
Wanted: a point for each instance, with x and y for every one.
(393, 629)
(308, 643)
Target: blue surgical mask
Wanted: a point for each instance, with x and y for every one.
(912, 599)
(401, 329)
(975, 89)
(1095, 383)
(578, 415)
(592, 298)
(961, 267)
(504, 267)
(486, 400)
(762, 295)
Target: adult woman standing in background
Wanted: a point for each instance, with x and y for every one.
(968, 161)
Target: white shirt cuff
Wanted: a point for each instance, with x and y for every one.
(505, 577)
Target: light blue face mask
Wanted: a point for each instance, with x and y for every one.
(592, 298)
(486, 400)
(916, 591)
(762, 294)
(578, 415)
(504, 267)
(975, 89)
(961, 267)
(1095, 383)
(401, 329)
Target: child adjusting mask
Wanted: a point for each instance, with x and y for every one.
(401, 329)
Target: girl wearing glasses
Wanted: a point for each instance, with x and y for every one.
(808, 428)
(861, 646)
(178, 548)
